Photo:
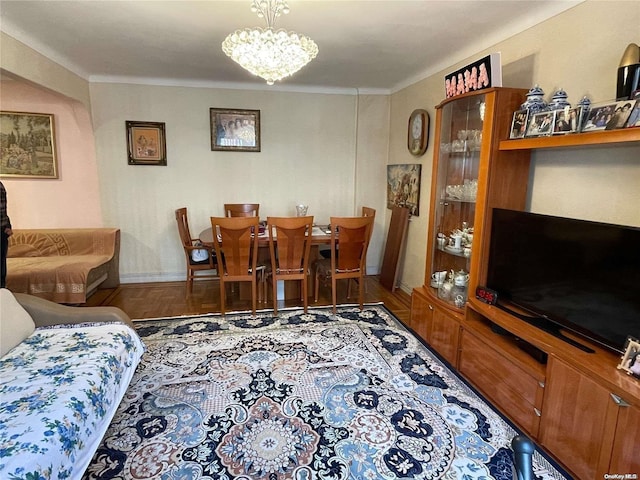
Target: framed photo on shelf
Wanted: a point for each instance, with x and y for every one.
(146, 144)
(235, 130)
(540, 124)
(634, 116)
(519, 124)
(567, 121)
(630, 362)
(608, 115)
(30, 149)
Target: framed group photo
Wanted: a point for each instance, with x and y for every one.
(608, 115)
(27, 145)
(235, 130)
(540, 124)
(146, 143)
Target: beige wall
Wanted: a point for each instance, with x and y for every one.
(308, 156)
(30, 65)
(72, 200)
(579, 51)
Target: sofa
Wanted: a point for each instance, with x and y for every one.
(63, 372)
(63, 265)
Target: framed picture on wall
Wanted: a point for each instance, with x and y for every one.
(27, 145)
(146, 144)
(235, 130)
(403, 187)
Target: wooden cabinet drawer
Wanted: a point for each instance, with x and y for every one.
(443, 335)
(512, 389)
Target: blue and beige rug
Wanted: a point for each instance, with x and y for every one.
(300, 396)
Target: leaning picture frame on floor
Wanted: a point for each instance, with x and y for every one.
(28, 147)
(146, 144)
(630, 361)
(235, 130)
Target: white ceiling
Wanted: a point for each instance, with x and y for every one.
(368, 45)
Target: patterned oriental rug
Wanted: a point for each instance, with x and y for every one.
(315, 396)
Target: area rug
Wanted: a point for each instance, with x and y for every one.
(301, 396)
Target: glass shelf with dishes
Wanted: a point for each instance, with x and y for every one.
(470, 177)
(458, 161)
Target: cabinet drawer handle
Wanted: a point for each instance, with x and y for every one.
(541, 384)
(619, 401)
(538, 412)
(430, 307)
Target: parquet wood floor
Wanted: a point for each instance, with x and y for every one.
(168, 299)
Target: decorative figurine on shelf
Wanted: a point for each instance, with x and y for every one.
(559, 101)
(535, 100)
(585, 105)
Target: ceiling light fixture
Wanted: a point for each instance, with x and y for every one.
(268, 53)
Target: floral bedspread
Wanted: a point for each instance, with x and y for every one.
(59, 390)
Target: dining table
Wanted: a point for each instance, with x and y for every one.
(320, 235)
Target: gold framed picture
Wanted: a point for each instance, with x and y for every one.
(146, 144)
(27, 145)
(235, 130)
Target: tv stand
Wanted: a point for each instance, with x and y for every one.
(545, 325)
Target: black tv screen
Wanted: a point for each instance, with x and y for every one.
(575, 274)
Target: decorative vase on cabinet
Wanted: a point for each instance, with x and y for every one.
(468, 130)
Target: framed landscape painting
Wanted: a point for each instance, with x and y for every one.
(27, 145)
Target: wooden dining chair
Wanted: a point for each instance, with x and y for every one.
(366, 212)
(236, 245)
(190, 245)
(241, 209)
(353, 234)
(290, 248)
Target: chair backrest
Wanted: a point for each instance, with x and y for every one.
(289, 244)
(236, 245)
(368, 212)
(353, 235)
(183, 227)
(241, 209)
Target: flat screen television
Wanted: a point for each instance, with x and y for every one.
(568, 274)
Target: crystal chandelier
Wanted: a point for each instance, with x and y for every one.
(268, 53)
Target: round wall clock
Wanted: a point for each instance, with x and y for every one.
(418, 132)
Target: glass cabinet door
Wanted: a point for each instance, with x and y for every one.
(458, 160)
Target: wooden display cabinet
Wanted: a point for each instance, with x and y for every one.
(578, 406)
(466, 159)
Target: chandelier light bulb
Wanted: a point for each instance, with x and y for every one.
(268, 53)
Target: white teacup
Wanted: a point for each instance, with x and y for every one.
(439, 277)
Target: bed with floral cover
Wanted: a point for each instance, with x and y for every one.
(59, 389)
